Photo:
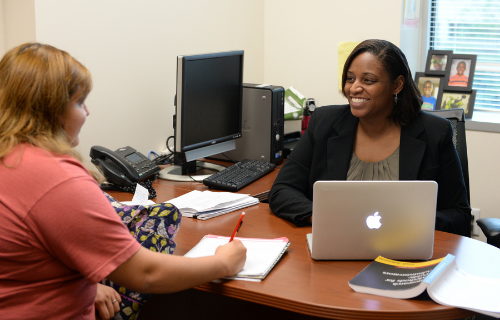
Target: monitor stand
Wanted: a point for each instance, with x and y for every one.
(175, 172)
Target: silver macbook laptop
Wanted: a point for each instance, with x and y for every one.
(360, 220)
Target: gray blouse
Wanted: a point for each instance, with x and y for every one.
(386, 169)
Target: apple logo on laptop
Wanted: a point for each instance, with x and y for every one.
(373, 222)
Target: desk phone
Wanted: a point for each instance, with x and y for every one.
(124, 166)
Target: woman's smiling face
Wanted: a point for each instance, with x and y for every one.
(368, 88)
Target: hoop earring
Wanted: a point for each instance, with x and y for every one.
(396, 98)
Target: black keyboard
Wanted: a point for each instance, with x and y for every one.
(239, 175)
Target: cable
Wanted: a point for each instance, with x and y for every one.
(148, 184)
(230, 160)
(199, 168)
(152, 152)
(168, 139)
(164, 159)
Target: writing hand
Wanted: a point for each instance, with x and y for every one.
(233, 255)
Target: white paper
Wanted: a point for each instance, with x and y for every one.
(140, 196)
(293, 104)
(131, 203)
(289, 108)
(205, 215)
(200, 201)
(261, 253)
(298, 94)
(458, 288)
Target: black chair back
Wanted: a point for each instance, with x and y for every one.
(457, 119)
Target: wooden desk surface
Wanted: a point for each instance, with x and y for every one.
(301, 284)
(298, 283)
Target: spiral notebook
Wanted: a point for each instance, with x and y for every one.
(262, 254)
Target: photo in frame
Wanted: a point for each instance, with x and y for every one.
(430, 88)
(453, 100)
(438, 62)
(460, 75)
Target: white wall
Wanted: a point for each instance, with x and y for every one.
(2, 32)
(301, 40)
(18, 23)
(483, 150)
(131, 48)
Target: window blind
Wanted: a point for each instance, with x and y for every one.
(471, 27)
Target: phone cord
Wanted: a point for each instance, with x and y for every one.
(148, 184)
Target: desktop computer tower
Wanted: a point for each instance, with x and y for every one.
(262, 125)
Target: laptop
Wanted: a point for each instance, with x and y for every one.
(360, 220)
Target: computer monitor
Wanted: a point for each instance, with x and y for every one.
(208, 111)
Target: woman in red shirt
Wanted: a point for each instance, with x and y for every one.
(59, 235)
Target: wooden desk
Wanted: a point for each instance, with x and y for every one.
(297, 288)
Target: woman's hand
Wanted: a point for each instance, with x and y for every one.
(233, 256)
(107, 301)
(152, 272)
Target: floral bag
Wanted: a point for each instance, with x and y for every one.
(154, 227)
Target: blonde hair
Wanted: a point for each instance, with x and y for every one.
(37, 84)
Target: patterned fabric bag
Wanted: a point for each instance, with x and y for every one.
(154, 227)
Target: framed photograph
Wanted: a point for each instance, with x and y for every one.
(430, 88)
(438, 62)
(460, 75)
(452, 100)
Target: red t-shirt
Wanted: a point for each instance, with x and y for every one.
(59, 236)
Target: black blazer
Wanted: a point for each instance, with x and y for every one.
(324, 153)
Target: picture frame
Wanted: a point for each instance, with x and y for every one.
(458, 99)
(430, 87)
(460, 74)
(438, 62)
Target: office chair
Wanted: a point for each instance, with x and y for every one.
(457, 119)
(489, 226)
(491, 229)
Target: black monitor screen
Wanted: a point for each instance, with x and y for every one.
(211, 99)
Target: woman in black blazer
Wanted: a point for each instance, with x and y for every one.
(380, 135)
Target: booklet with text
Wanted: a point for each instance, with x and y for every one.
(444, 281)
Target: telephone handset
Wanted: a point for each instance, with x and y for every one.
(123, 167)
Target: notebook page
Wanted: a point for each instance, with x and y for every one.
(261, 253)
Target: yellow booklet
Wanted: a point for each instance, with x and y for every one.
(445, 282)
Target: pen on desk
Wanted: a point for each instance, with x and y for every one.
(238, 225)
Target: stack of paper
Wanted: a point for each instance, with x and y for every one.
(204, 205)
(262, 254)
